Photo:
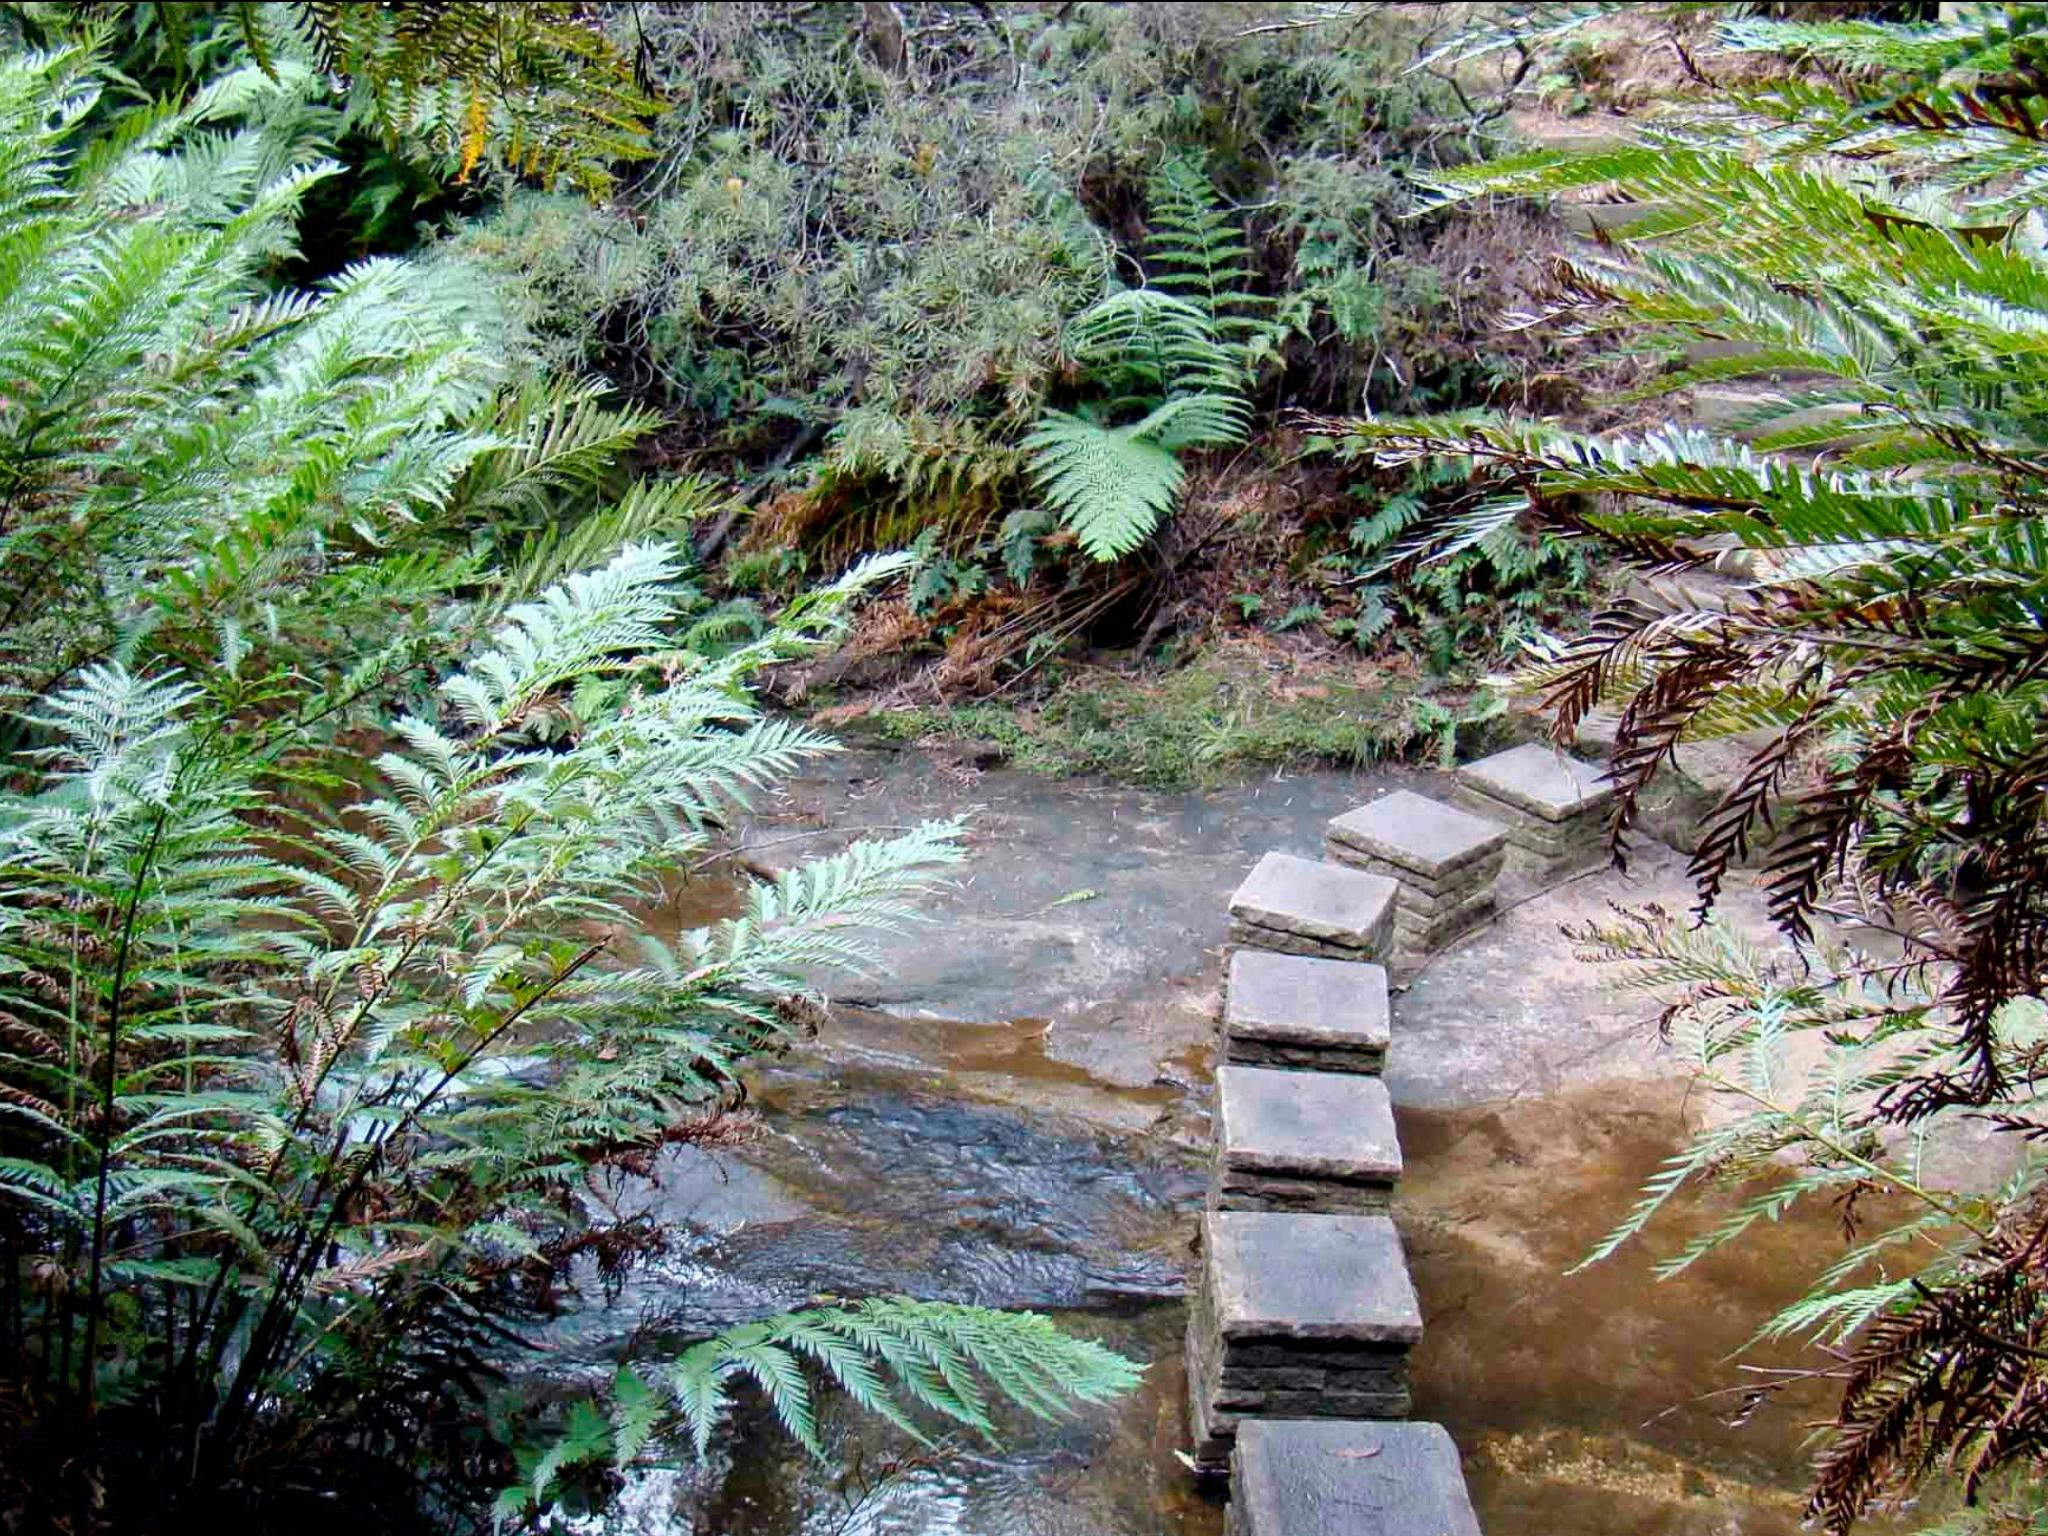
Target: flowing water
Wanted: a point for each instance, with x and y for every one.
(1057, 1162)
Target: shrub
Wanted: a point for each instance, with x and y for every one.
(826, 234)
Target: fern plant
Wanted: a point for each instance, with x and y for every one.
(1112, 485)
(899, 1359)
(1858, 240)
(199, 454)
(1182, 350)
(1937, 1303)
(1194, 248)
(539, 85)
(1466, 603)
(355, 722)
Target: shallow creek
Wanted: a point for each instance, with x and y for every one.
(1057, 1161)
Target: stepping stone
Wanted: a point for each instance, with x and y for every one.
(1302, 1141)
(1320, 1477)
(1297, 1316)
(1428, 842)
(1445, 861)
(1299, 906)
(1282, 1280)
(1553, 806)
(1292, 1011)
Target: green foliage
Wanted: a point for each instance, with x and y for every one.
(1195, 248)
(1112, 485)
(1464, 603)
(198, 460)
(816, 236)
(892, 1356)
(359, 706)
(420, 106)
(1141, 344)
(825, 235)
(538, 85)
(926, 279)
(1866, 228)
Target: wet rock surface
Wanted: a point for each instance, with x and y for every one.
(1019, 1113)
(1076, 895)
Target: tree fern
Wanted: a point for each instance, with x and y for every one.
(202, 444)
(1866, 222)
(322, 980)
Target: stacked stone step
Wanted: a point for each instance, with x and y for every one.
(1297, 1317)
(1295, 1011)
(1444, 862)
(1302, 1141)
(1301, 1327)
(1297, 906)
(1302, 1120)
(1553, 806)
(1325, 1477)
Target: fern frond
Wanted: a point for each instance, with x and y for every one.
(873, 1350)
(1194, 248)
(1108, 484)
(1167, 344)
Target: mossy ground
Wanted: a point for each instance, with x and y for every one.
(1231, 710)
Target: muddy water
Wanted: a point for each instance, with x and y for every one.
(1057, 1162)
(1603, 1402)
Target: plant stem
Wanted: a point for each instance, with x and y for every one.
(108, 1078)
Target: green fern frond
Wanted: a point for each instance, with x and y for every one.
(1166, 344)
(873, 1350)
(1108, 484)
(558, 435)
(651, 511)
(539, 86)
(1195, 249)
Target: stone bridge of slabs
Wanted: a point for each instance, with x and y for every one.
(1304, 1315)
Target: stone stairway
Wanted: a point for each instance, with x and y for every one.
(1304, 1316)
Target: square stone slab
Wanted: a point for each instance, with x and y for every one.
(1418, 833)
(1541, 781)
(1323, 1124)
(1323, 1477)
(1287, 1009)
(1312, 900)
(1279, 1275)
